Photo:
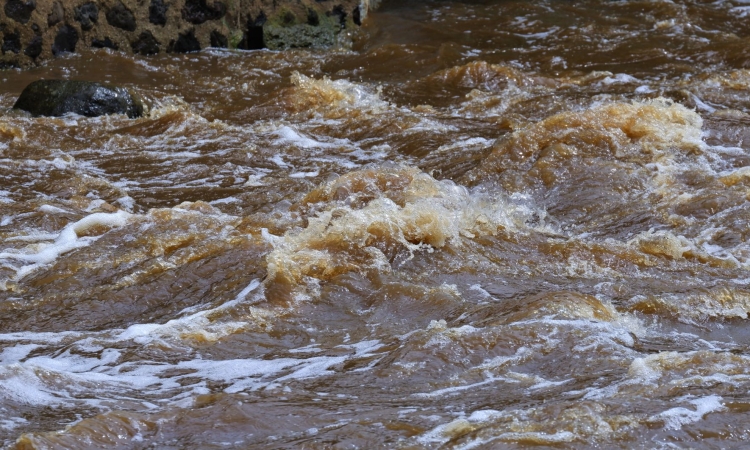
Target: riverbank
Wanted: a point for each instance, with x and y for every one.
(34, 31)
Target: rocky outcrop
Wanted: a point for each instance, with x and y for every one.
(35, 30)
(59, 97)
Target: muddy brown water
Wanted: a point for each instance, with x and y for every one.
(487, 224)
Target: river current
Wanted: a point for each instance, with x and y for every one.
(479, 224)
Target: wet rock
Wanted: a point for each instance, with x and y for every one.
(34, 48)
(87, 14)
(198, 11)
(12, 43)
(157, 12)
(218, 40)
(121, 17)
(19, 10)
(65, 41)
(186, 43)
(90, 99)
(104, 43)
(56, 15)
(146, 44)
(357, 16)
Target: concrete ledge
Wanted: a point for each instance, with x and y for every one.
(36, 30)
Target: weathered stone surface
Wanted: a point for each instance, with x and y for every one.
(12, 43)
(19, 10)
(65, 41)
(146, 44)
(218, 40)
(121, 17)
(185, 43)
(56, 15)
(34, 48)
(198, 11)
(289, 31)
(59, 97)
(33, 31)
(298, 36)
(339, 13)
(157, 12)
(104, 43)
(87, 14)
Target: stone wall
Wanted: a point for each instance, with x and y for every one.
(36, 30)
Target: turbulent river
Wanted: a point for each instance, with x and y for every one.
(480, 224)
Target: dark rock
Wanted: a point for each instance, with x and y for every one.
(357, 16)
(197, 11)
(157, 12)
(65, 41)
(260, 20)
(186, 43)
(339, 12)
(35, 28)
(12, 43)
(4, 65)
(34, 48)
(104, 43)
(146, 44)
(19, 10)
(218, 40)
(252, 38)
(87, 14)
(59, 97)
(312, 18)
(121, 17)
(56, 15)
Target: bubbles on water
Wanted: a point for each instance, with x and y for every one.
(368, 219)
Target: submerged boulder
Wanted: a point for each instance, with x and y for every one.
(87, 98)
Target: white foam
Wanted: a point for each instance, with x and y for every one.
(67, 240)
(643, 90)
(702, 105)
(16, 353)
(741, 11)
(312, 174)
(127, 202)
(22, 384)
(5, 197)
(279, 161)
(197, 323)
(49, 209)
(288, 135)
(12, 423)
(620, 78)
(225, 200)
(540, 35)
(438, 393)
(675, 418)
(92, 371)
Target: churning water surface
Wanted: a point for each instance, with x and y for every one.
(479, 224)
